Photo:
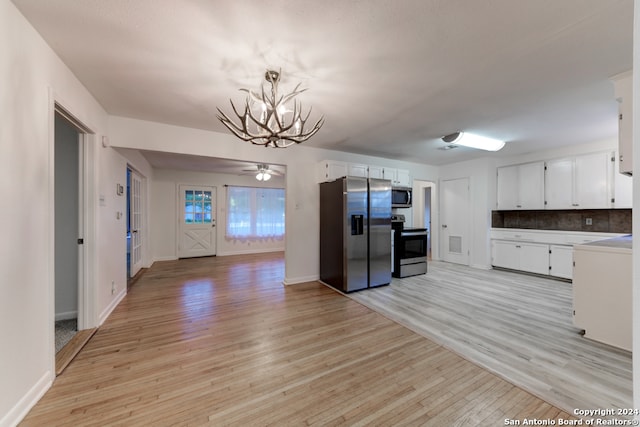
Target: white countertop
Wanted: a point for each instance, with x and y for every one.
(622, 242)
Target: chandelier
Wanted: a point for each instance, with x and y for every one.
(269, 119)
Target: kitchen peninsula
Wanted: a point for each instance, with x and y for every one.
(602, 282)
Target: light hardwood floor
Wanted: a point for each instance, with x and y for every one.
(517, 326)
(220, 341)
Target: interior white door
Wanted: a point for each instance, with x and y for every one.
(455, 220)
(197, 226)
(135, 218)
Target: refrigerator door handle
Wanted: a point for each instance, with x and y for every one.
(357, 225)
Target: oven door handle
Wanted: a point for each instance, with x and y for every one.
(413, 233)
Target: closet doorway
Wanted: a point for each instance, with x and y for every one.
(69, 220)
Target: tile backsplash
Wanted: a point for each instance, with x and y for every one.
(590, 220)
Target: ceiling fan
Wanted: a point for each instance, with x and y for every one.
(263, 173)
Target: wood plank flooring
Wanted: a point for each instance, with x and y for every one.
(220, 341)
(517, 326)
(72, 348)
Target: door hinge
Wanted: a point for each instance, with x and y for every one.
(81, 241)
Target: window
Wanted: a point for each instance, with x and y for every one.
(255, 213)
(197, 207)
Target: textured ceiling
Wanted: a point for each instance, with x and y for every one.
(389, 76)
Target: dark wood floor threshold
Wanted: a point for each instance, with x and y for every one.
(132, 280)
(72, 348)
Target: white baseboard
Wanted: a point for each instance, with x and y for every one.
(481, 266)
(303, 279)
(67, 315)
(250, 251)
(164, 258)
(114, 303)
(28, 401)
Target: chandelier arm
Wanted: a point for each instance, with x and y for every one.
(234, 128)
(264, 126)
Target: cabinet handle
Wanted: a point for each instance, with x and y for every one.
(518, 246)
(621, 157)
(518, 206)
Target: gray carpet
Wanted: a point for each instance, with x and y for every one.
(65, 330)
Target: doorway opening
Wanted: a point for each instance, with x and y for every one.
(68, 144)
(427, 219)
(72, 224)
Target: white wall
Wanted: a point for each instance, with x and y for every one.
(164, 199)
(32, 78)
(302, 193)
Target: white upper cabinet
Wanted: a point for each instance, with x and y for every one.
(398, 177)
(357, 169)
(623, 189)
(376, 172)
(623, 88)
(403, 178)
(581, 182)
(329, 170)
(559, 184)
(521, 186)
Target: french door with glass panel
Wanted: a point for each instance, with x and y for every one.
(135, 223)
(196, 231)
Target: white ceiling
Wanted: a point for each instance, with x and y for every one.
(390, 76)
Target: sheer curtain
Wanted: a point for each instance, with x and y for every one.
(255, 213)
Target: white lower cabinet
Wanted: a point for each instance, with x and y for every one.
(561, 261)
(534, 258)
(523, 256)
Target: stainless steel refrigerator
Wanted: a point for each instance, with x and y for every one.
(355, 233)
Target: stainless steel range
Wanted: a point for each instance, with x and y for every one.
(410, 248)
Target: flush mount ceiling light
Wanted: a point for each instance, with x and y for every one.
(269, 119)
(474, 141)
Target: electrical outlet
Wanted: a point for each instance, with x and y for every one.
(589, 221)
(113, 287)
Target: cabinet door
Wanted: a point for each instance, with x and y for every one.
(390, 174)
(592, 186)
(507, 191)
(623, 189)
(623, 86)
(504, 254)
(359, 170)
(561, 261)
(531, 185)
(558, 186)
(534, 257)
(403, 178)
(376, 172)
(329, 170)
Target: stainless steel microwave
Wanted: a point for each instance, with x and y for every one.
(401, 197)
